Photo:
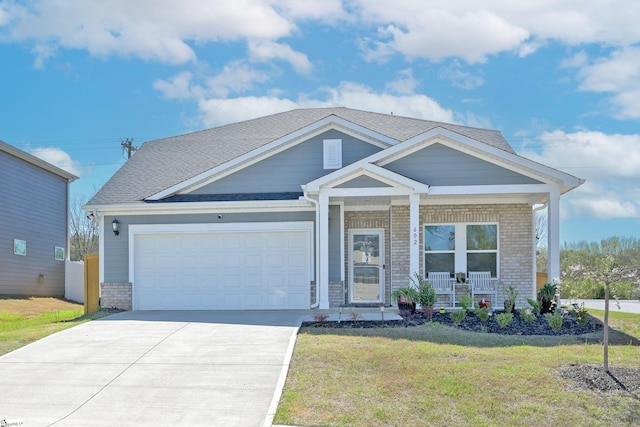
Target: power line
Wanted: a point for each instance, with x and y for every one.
(127, 145)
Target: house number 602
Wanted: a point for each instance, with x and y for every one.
(415, 236)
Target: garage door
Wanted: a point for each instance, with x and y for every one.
(255, 270)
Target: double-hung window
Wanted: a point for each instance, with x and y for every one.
(461, 247)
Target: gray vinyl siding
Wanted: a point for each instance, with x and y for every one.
(116, 248)
(363, 182)
(33, 207)
(288, 170)
(440, 165)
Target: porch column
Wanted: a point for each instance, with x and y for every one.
(414, 225)
(323, 247)
(553, 235)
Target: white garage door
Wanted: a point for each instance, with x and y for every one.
(222, 271)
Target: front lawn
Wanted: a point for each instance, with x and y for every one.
(437, 375)
(27, 319)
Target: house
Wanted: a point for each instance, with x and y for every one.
(34, 239)
(319, 208)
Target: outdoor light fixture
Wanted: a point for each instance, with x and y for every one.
(91, 216)
(115, 226)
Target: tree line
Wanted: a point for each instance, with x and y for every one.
(586, 268)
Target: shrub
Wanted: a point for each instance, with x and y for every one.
(466, 302)
(546, 296)
(458, 316)
(528, 316)
(555, 320)
(320, 317)
(426, 295)
(510, 297)
(504, 319)
(536, 306)
(482, 313)
(581, 315)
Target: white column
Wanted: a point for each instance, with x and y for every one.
(553, 235)
(414, 229)
(323, 268)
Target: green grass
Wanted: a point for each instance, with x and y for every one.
(436, 375)
(627, 323)
(19, 330)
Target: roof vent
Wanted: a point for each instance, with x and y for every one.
(332, 153)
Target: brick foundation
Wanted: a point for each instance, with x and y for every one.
(116, 295)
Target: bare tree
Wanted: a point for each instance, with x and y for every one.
(83, 231)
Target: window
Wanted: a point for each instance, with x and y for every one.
(439, 248)
(332, 150)
(461, 248)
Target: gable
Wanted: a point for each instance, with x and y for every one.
(287, 170)
(362, 181)
(439, 165)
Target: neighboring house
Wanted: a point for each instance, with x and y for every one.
(34, 201)
(319, 208)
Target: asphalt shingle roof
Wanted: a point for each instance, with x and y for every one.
(163, 163)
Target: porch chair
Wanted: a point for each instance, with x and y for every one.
(481, 284)
(443, 285)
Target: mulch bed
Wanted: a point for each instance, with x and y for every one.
(471, 323)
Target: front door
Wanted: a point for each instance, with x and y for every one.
(366, 265)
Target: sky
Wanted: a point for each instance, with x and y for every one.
(559, 78)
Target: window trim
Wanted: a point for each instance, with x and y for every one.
(460, 252)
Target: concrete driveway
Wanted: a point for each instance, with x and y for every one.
(170, 368)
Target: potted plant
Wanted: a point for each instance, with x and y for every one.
(461, 277)
(426, 295)
(510, 296)
(406, 298)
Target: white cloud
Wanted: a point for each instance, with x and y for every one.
(618, 75)
(178, 87)
(609, 163)
(59, 158)
(405, 84)
(473, 30)
(578, 60)
(236, 77)
(264, 51)
(460, 78)
(323, 10)
(158, 30)
(217, 111)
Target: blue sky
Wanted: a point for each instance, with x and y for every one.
(560, 79)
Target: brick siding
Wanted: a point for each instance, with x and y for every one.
(116, 295)
(515, 224)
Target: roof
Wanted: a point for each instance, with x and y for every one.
(30, 158)
(162, 163)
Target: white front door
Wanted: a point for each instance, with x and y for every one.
(366, 265)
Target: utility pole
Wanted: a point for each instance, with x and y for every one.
(127, 145)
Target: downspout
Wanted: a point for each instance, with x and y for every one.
(316, 304)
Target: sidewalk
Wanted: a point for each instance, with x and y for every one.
(626, 306)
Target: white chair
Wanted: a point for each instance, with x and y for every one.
(481, 284)
(443, 285)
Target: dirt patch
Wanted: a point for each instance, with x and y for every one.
(34, 306)
(594, 378)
